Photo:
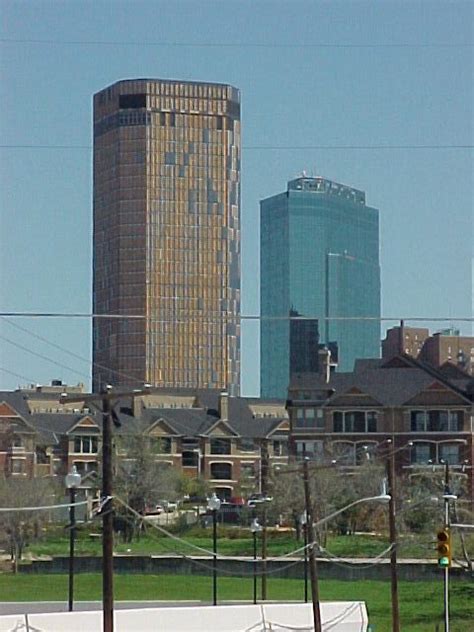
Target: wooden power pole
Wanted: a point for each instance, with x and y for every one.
(107, 509)
(393, 542)
(313, 569)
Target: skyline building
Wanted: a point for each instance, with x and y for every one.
(166, 235)
(319, 263)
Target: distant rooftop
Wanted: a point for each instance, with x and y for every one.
(318, 184)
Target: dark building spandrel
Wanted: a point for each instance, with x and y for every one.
(167, 234)
(319, 258)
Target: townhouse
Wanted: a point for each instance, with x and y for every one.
(427, 414)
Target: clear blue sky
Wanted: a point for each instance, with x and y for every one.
(411, 86)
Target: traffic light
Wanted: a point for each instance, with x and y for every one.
(443, 548)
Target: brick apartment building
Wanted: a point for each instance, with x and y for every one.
(345, 416)
(437, 349)
(227, 440)
(223, 439)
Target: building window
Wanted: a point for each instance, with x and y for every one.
(41, 456)
(355, 421)
(280, 448)
(309, 418)
(421, 453)
(437, 420)
(344, 453)
(18, 466)
(221, 471)
(85, 445)
(450, 453)
(247, 445)
(190, 458)
(247, 470)
(364, 453)
(220, 446)
(224, 493)
(18, 441)
(161, 445)
(85, 467)
(313, 450)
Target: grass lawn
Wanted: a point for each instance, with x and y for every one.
(420, 602)
(57, 543)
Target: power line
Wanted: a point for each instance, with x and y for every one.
(69, 352)
(269, 45)
(380, 147)
(233, 317)
(43, 357)
(21, 377)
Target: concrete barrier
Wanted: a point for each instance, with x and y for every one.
(168, 564)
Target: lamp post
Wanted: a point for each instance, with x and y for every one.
(448, 496)
(214, 504)
(255, 528)
(72, 480)
(303, 523)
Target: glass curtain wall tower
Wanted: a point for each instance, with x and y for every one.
(319, 255)
(167, 235)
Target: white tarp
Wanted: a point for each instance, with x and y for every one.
(338, 616)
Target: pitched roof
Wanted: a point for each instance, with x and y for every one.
(392, 383)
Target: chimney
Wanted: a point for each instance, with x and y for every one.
(224, 405)
(137, 406)
(325, 363)
(401, 338)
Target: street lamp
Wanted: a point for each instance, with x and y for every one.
(448, 496)
(72, 480)
(304, 525)
(214, 504)
(255, 528)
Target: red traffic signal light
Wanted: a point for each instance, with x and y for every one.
(443, 548)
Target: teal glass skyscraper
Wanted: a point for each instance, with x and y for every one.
(319, 265)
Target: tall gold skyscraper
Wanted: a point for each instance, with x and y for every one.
(167, 234)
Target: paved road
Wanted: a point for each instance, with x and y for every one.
(31, 607)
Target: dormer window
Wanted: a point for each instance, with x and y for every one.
(85, 445)
(355, 421)
(161, 445)
(220, 446)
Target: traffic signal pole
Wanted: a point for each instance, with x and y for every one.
(393, 541)
(446, 569)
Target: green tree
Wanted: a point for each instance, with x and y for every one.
(142, 479)
(19, 528)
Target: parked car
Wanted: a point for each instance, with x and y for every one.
(168, 506)
(258, 499)
(154, 510)
(229, 513)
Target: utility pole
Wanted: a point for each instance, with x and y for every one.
(264, 491)
(447, 525)
(313, 569)
(393, 541)
(107, 516)
(108, 415)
